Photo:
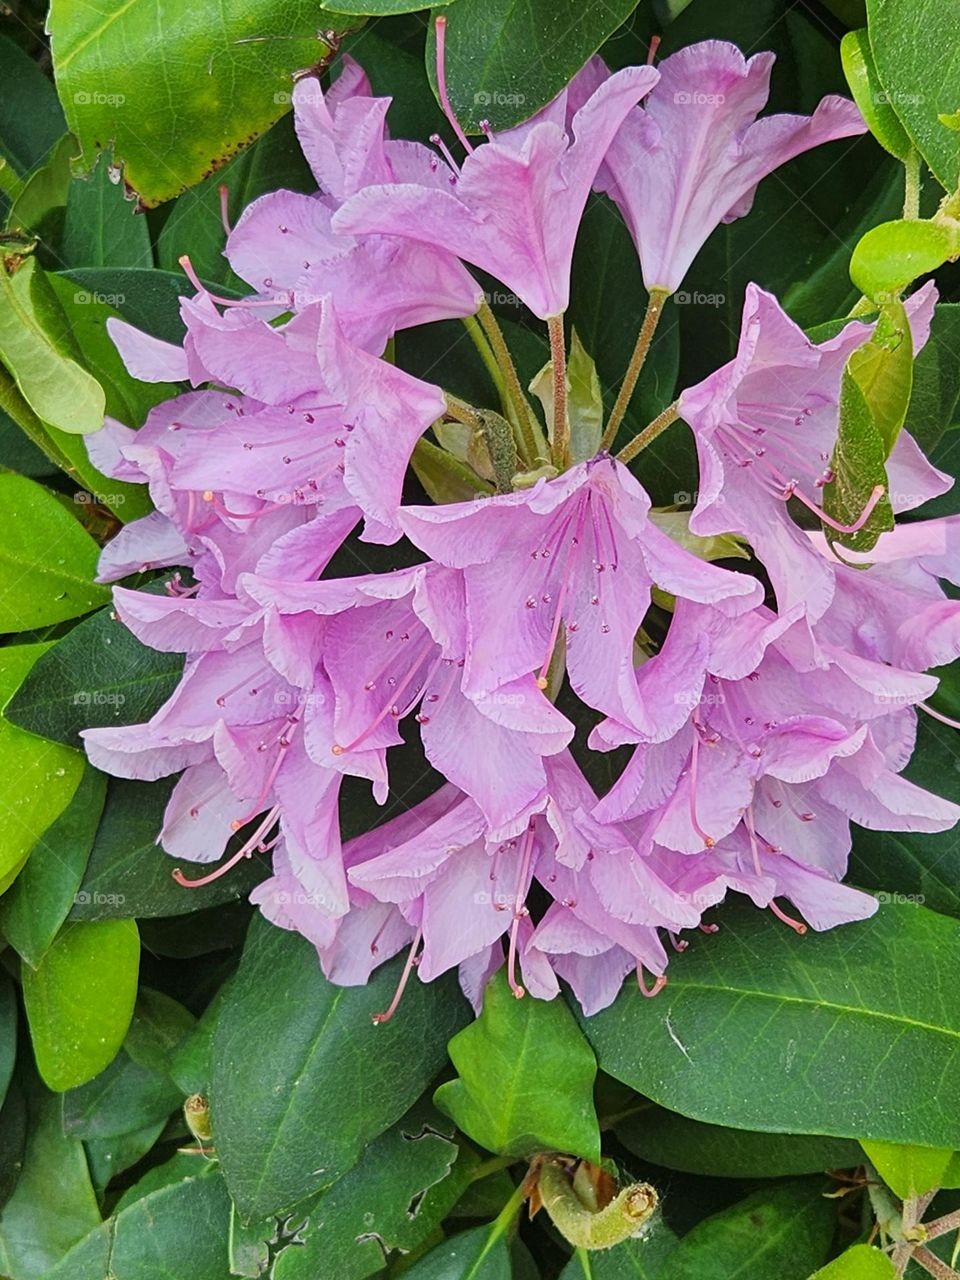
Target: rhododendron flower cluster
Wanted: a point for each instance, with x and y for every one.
(765, 707)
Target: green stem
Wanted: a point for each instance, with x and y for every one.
(660, 423)
(489, 359)
(531, 450)
(911, 184)
(561, 425)
(10, 184)
(493, 1165)
(644, 338)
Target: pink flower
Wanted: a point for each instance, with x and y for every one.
(693, 155)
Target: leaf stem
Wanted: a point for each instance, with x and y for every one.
(644, 338)
(911, 184)
(660, 423)
(561, 425)
(479, 340)
(532, 452)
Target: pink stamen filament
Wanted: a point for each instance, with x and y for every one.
(652, 50)
(875, 496)
(285, 744)
(519, 911)
(445, 151)
(224, 192)
(937, 715)
(796, 925)
(246, 851)
(678, 944)
(542, 681)
(657, 987)
(708, 841)
(378, 1019)
(194, 279)
(386, 710)
(441, 34)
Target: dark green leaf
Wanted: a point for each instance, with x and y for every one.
(646, 1258)
(8, 1033)
(393, 1198)
(150, 300)
(13, 1138)
(336, 1079)
(783, 1231)
(502, 1098)
(918, 62)
(38, 902)
(98, 675)
(180, 1230)
(936, 380)
(160, 1025)
(496, 64)
(122, 1099)
(26, 135)
(671, 1140)
(129, 875)
(827, 1040)
(480, 1254)
(102, 227)
(859, 468)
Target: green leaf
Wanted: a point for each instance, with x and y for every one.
(918, 63)
(480, 1254)
(491, 73)
(13, 1138)
(861, 1262)
(502, 1098)
(665, 1138)
(129, 875)
(26, 136)
(8, 1033)
(783, 1231)
(890, 256)
(859, 468)
(908, 1170)
(393, 1198)
(123, 1099)
(37, 779)
(584, 399)
(829, 1043)
(176, 93)
(102, 227)
(53, 1204)
(179, 1230)
(38, 902)
(98, 675)
(380, 8)
(79, 1000)
(861, 73)
(45, 189)
(60, 392)
(160, 1025)
(47, 559)
(109, 1157)
(883, 370)
(336, 1079)
(148, 299)
(646, 1258)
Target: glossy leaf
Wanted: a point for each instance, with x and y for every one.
(280, 1145)
(38, 902)
(907, 1170)
(479, 1254)
(828, 1043)
(393, 1198)
(47, 559)
(936, 380)
(490, 73)
(784, 1231)
(883, 370)
(8, 1034)
(890, 256)
(918, 63)
(159, 1026)
(860, 1262)
(177, 94)
(861, 73)
(37, 779)
(60, 392)
(53, 1204)
(26, 136)
(502, 1098)
(124, 1098)
(98, 675)
(79, 1000)
(859, 468)
(101, 227)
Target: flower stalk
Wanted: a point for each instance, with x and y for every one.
(649, 433)
(642, 346)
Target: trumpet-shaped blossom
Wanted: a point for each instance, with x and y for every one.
(692, 156)
(569, 562)
(765, 427)
(514, 206)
